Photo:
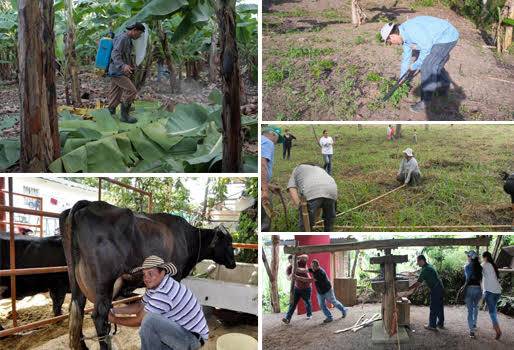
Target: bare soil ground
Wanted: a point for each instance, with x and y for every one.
(55, 336)
(316, 65)
(312, 334)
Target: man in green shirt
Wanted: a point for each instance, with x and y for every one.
(431, 278)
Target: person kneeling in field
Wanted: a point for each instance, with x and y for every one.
(409, 173)
(320, 191)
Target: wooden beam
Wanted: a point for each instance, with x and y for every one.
(386, 259)
(388, 243)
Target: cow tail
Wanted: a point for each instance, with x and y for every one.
(76, 314)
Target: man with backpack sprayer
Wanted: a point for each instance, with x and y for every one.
(121, 67)
(434, 38)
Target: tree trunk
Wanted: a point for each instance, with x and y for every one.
(213, 55)
(204, 210)
(273, 273)
(144, 68)
(71, 56)
(231, 113)
(358, 15)
(38, 105)
(174, 87)
(398, 132)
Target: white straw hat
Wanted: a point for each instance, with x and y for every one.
(408, 151)
(155, 261)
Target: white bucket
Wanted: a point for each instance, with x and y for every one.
(236, 341)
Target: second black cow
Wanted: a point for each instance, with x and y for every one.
(103, 243)
(35, 252)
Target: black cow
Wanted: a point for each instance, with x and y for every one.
(509, 185)
(35, 252)
(103, 243)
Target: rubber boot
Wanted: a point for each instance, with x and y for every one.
(498, 332)
(112, 110)
(125, 117)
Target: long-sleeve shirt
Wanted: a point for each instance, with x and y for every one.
(471, 279)
(121, 54)
(326, 145)
(490, 282)
(288, 140)
(408, 167)
(423, 32)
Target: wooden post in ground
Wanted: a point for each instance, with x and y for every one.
(39, 135)
(305, 215)
(358, 15)
(275, 299)
(231, 106)
(293, 272)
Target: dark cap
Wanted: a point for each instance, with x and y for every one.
(138, 25)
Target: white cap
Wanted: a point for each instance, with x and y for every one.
(408, 151)
(386, 30)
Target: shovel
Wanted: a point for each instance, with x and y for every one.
(406, 77)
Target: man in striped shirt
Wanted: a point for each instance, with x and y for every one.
(169, 314)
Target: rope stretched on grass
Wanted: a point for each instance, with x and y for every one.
(363, 204)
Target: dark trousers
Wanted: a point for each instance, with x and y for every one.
(304, 294)
(286, 149)
(433, 74)
(329, 213)
(436, 306)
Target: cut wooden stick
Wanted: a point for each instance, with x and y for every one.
(375, 317)
(355, 325)
(502, 80)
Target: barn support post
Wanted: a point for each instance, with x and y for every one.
(12, 258)
(3, 226)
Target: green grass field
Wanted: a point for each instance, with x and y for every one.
(460, 165)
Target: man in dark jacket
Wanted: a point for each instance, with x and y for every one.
(121, 68)
(325, 291)
(288, 143)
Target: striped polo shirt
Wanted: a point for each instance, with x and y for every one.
(175, 301)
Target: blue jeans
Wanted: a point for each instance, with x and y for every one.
(472, 298)
(330, 297)
(436, 306)
(329, 213)
(158, 332)
(304, 294)
(491, 299)
(327, 158)
(433, 74)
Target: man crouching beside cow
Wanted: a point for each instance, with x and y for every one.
(105, 247)
(169, 314)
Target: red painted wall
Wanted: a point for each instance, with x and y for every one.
(324, 262)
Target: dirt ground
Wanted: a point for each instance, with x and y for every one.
(312, 334)
(55, 337)
(343, 91)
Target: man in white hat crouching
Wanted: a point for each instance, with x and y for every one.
(169, 315)
(409, 173)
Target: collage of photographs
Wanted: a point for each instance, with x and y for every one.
(256, 175)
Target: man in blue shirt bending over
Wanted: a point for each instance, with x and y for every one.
(434, 38)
